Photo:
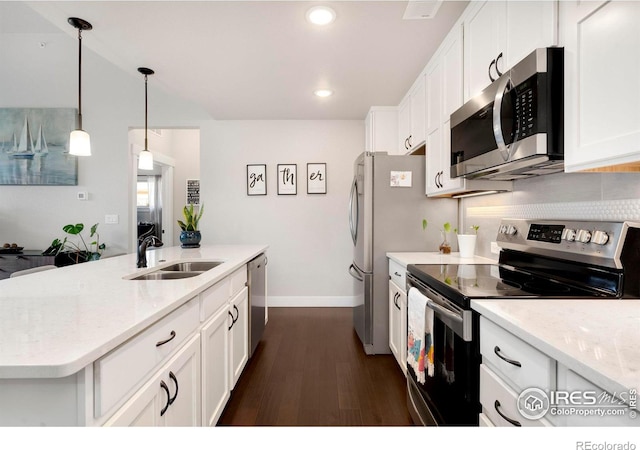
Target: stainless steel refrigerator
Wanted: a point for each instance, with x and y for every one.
(386, 211)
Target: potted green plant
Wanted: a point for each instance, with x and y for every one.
(467, 242)
(190, 235)
(68, 252)
(445, 247)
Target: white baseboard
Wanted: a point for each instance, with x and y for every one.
(311, 302)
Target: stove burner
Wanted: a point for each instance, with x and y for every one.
(546, 288)
(489, 284)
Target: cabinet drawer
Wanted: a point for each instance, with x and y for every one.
(238, 280)
(497, 345)
(116, 373)
(214, 298)
(398, 274)
(499, 401)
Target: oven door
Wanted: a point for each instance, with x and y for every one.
(451, 396)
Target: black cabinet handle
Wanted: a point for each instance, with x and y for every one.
(498, 59)
(395, 300)
(233, 321)
(171, 337)
(175, 381)
(515, 423)
(406, 144)
(237, 314)
(397, 274)
(496, 350)
(491, 76)
(409, 139)
(163, 385)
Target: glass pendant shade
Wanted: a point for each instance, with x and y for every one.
(79, 143)
(145, 160)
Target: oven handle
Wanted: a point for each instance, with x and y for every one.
(444, 311)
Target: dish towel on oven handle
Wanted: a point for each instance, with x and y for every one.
(419, 335)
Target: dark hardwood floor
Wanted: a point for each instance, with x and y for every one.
(310, 370)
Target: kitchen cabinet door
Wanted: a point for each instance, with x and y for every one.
(216, 387)
(404, 125)
(152, 404)
(239, 340)
(529, 25)
(395, 330)
(602, 88)
(381, 130)
(418, 113)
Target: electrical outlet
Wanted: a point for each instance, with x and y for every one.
(83, 195)
(494, 248)
(111, 219)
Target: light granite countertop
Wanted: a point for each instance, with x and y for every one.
(597, 339)
(54, 323)
(406, 258)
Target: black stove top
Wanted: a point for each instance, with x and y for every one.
(465, 282)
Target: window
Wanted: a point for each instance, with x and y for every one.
(143, 194)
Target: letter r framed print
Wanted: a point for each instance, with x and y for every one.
(287, 179)
(256, 179)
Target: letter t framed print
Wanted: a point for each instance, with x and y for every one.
(287, 179)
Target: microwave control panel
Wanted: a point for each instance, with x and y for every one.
(525, 106)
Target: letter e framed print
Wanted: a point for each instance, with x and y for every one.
(316, 178)
(256, 179)
(287, 179)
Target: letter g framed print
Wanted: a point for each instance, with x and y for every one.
(256, 179)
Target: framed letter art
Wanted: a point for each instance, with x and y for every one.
(316, 178)
(287, 179)
(256, 179)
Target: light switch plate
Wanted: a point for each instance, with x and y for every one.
(494, 248)
(111, 219)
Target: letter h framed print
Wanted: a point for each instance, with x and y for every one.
(287, 179)
(256, 179)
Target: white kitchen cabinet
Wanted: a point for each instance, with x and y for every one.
(602, 92)
(216, 372)
(412, 117)
(171, 397)
(239, 340)
(398, 314)
(498, 34)
(381, 130)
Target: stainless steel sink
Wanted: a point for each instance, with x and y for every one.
(191, 266)
(160, 275)
(179, 270)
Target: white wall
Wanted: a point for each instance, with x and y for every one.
(308, 235)
(112, 102)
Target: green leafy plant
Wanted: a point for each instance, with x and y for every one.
(446, 227)
(82, 250)
(424, 224)
(475, 228)
(191, 218)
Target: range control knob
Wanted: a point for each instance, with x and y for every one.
(511, 230)
(600, 237)
(569, 235)
(502, 229)
(583, 236)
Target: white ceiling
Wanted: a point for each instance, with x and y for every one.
(254, 59)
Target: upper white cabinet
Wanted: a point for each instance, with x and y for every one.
(602, 85)
(498, 34)
(381, 130)
(412, 117)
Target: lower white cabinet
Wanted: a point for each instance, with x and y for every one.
(171, 397)
(398, 325)
(216, 371)
(239, 328)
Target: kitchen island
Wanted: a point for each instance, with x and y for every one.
(57, 326)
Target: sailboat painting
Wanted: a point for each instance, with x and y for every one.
(34, 146)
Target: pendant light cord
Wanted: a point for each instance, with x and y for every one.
(80, 78)
(145, 113)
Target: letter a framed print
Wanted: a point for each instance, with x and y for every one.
(256, 179)
(287, 179)
(316, 178)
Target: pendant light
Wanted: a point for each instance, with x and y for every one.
(79, 141)
(145, 159)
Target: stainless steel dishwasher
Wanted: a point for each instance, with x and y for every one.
(257, 283)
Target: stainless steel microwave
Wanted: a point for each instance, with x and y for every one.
(514, 128)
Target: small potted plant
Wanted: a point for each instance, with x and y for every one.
(467, 242)
(68, 252)
(190, 235)
(445, 247)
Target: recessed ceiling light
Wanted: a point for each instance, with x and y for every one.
(323, 92)
(321, 15)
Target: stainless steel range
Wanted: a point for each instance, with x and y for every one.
(539, 259)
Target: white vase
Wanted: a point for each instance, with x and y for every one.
(467, 245)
